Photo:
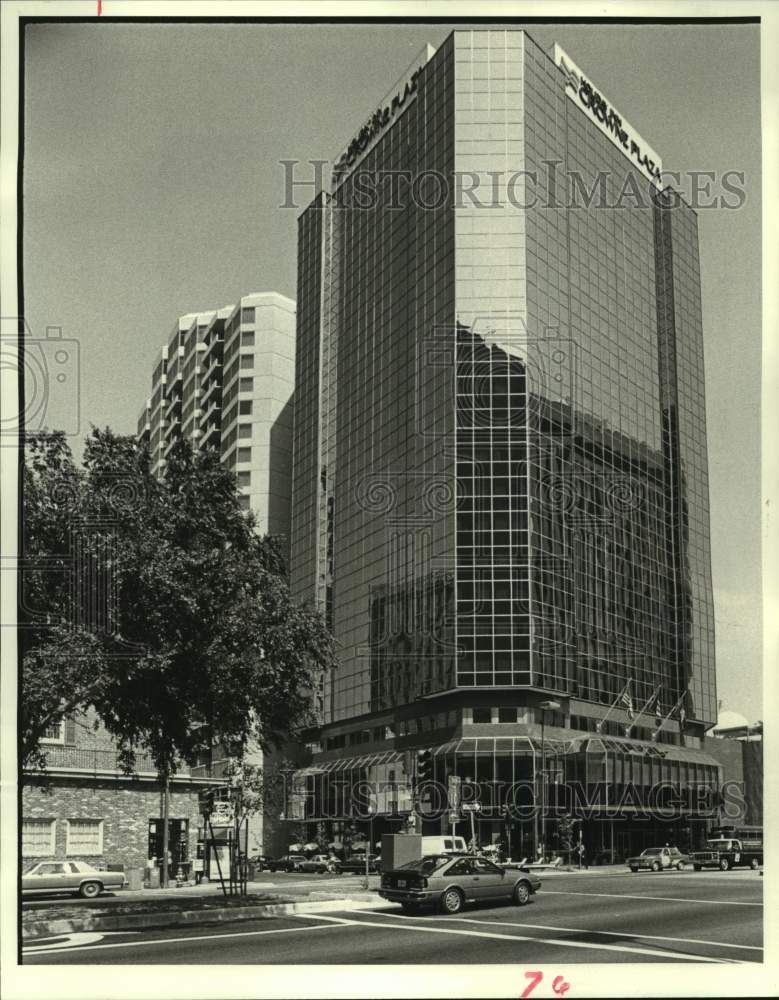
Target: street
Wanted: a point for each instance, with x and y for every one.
(667, 917)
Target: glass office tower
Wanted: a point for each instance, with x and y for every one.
(500, 492)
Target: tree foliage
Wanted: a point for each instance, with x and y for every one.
(159, 604)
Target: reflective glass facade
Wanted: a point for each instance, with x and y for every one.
(500, 474)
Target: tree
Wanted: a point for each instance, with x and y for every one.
(566, 829)
(62, 656)
(197, 640)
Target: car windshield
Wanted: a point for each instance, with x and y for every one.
(650, 851)
(426, 865)
(722, 845)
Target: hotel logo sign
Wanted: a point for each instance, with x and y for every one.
(581, 91)
(398, 97)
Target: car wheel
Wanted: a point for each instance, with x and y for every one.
(655, 866)
(724, 864)
(754, 864)
(521, 894)
(696, 868)
(634, 868)
(679, 866)
(410, 907)
(452, 901)
(90, 889)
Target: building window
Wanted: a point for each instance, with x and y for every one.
(244, 478)
(507, 715)
(55, 733)
(482, 715)
(245, 407)
(246, 385)
(244, 430)
(247, 361)
(247, 338)
(244, 502)
(38, 837)
(84, 836)
(247, 314)
(244, 454)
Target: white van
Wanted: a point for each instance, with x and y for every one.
(444, 845)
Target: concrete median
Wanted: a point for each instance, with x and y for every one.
(152, 915)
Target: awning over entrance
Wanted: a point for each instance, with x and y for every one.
(500, 746)
(356, 763)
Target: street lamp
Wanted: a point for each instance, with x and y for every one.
(551, 706)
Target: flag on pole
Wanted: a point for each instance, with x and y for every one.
(627, 700)
(621, 697)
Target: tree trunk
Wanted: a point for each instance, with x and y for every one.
(165, 833)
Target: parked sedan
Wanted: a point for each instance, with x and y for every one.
(449, 882)
(286, 863)
(319, 863)
(260, 861)
(355, 865)
(657, 858)
(74, 877)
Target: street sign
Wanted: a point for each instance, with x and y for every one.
(470, 807)
(454, 789)
(221, 813)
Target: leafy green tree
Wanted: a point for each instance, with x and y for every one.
(195, 640)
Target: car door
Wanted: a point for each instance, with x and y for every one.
(73, 875)
(50, 876)
(462, 872)
(665, 858)
(493, 881)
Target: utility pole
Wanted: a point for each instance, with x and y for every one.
(552, 706)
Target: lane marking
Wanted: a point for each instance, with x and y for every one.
(179, 940)
(654, 953)
(661, 899)
(586, 930)
(73, 940)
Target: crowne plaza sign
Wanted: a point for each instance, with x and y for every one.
(627, 140)
(396, 100)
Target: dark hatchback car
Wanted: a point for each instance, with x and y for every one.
(286, 863)
(355, 865)
(448, 882)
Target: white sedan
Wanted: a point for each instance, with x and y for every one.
(75, 877)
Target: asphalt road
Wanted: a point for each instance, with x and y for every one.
(670, 917)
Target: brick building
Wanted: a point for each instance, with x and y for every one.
(738, 746)
(85, 808)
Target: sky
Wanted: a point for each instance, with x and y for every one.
(153, 187)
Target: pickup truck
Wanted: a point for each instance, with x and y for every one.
(729, 853)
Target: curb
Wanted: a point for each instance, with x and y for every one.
(193, 918)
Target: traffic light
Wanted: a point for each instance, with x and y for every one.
(206, 802)
(424, 765)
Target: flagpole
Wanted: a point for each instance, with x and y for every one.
(678, 703)
(612, 706)
(648, 702)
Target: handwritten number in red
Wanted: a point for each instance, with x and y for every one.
(535, 978)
